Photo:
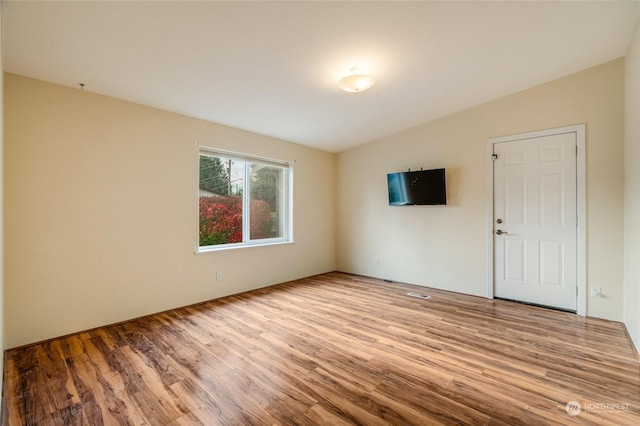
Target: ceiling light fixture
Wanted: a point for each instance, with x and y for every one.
(356, 81)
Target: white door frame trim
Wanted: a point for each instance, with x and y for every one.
(581, 243)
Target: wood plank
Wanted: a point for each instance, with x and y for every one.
(319, 415)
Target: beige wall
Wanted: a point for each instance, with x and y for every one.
(632, 189)
(2, 333)
(101, 212)
(446, 246)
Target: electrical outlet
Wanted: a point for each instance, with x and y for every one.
(596, 292)
(218, 276)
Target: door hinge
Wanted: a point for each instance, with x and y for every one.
(494, 157)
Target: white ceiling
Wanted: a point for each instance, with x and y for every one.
(272, 67)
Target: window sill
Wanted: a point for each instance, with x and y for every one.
(209, 249)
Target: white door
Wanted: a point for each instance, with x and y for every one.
(535, 219)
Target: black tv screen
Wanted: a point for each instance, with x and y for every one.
(422, 187)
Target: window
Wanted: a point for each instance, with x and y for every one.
(243, 200)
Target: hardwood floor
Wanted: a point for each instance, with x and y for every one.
(335, 349)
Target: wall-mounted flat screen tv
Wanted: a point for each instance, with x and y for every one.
(421, 187)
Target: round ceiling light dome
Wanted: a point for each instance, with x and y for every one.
(356, 81)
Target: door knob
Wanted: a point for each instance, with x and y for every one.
(500, 232)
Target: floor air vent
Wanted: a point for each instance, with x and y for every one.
(418, 295)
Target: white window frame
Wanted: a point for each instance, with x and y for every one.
(286, 214)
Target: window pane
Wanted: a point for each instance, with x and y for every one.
(243, 200)
(267, 191)
(221, 186)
